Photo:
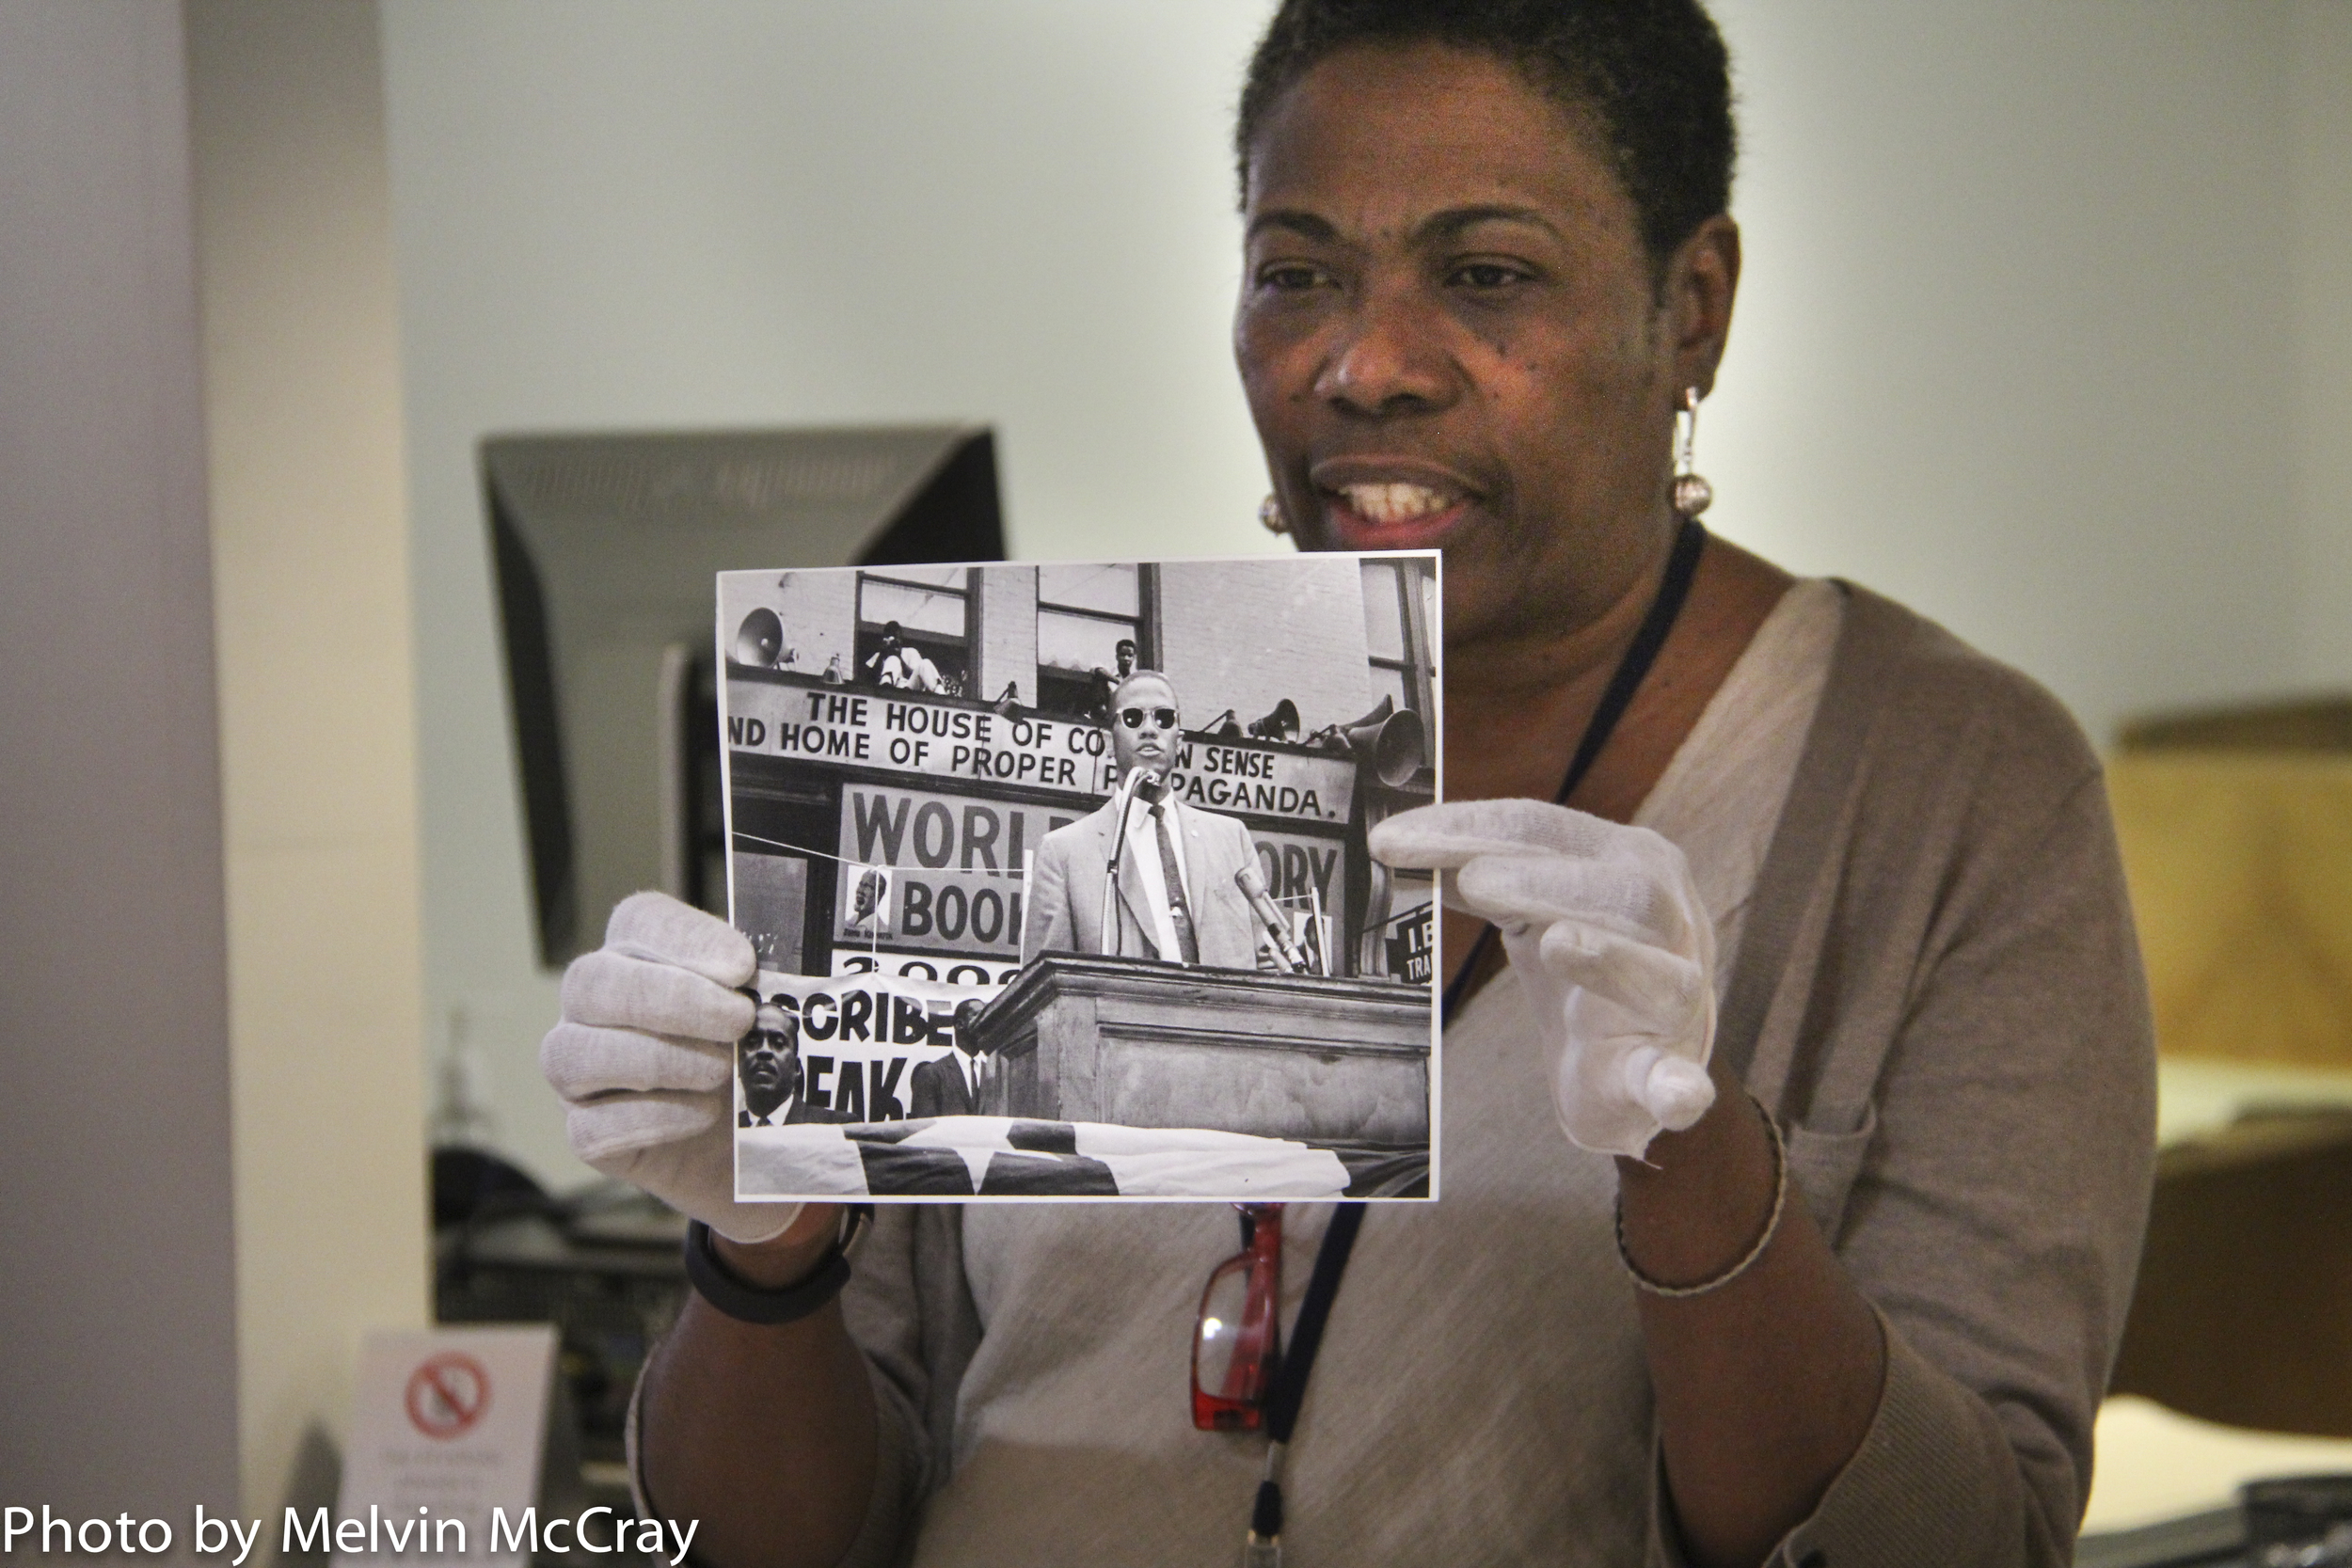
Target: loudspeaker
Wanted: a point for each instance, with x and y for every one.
(760, 640)
(1281, 723)
(1389, 742)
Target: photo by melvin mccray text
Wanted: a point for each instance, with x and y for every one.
(422, 1536)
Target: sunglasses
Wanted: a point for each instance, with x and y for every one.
(1237, 1342)
(1162, 718)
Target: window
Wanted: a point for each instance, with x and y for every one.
(1399, 599)
(930, 609)
(1085, 614)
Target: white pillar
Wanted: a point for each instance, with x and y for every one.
(318, 726)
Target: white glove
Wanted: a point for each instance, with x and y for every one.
(646, 1055)
(1609, 940)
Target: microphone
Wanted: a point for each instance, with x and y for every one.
(1253, 888)
(1135, 782)
(1129, 784)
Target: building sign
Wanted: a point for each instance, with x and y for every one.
(940, 876)
(1304, 873)
(1260, 780)
(863, 1033)
(842, 727)
(953, 868)
(1409, 940)
(897, 963)
(831, 726)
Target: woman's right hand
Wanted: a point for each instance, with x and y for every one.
(643, 1060)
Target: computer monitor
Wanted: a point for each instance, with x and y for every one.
(604, 548)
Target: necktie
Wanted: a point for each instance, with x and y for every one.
(1173, 876)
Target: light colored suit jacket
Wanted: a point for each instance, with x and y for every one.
(1065, 913)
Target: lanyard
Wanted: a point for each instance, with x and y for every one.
(1681, 565)
(1264, 1546)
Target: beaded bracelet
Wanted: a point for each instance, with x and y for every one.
(1747, 1260)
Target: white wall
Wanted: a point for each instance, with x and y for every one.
(2014, 338)
(744, 212)
(2019, 341)
(117, 1332)
(2322, 43)
(302, 390)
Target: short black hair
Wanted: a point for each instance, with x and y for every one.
(1653, 74)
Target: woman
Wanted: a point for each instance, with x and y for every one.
(1861, 1309)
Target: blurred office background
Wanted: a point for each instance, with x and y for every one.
(2043, 330)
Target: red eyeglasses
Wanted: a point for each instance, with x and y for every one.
(1237, 1343)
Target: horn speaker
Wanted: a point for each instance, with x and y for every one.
(1389, 742)
(1281, 723)
(759, 638)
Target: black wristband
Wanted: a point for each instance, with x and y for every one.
(717, 1285)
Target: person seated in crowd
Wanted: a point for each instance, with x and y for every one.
(768, 1063)
(1797, 1075)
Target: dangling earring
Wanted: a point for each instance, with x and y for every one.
(1692, 494)
(1270, 514)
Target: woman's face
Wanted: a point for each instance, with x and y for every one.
(1449, 336)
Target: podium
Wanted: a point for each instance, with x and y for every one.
(1140, 1044)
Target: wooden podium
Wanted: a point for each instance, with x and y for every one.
(1146, 1044)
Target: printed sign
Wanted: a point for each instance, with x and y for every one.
(939, 875)
(949, 868)
(446, 1425)
(1259, 781)
(447, 1394)
(971, 977)
(861, 1036)
(834, 726)
(831, 726)
(1411, 944)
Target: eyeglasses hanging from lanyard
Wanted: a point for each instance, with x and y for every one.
(1241, 1380)
(1236, 1342)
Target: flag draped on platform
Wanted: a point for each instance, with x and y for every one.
(1002, 1156)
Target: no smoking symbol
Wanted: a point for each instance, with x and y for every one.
(447, 1394)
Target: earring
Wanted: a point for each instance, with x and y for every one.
(1270, 515)
(1692, 494)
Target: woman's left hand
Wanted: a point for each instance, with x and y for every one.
(1609, 937)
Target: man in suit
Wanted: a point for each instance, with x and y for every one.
(1174, 897)
(951, 1085)
(768, 1064)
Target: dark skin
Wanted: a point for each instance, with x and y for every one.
(1445, 289)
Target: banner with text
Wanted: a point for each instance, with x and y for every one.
(836, 727)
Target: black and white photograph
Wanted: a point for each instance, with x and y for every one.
(1056, 876)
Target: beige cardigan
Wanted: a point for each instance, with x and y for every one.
(1937, 992)
(1940, 995)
